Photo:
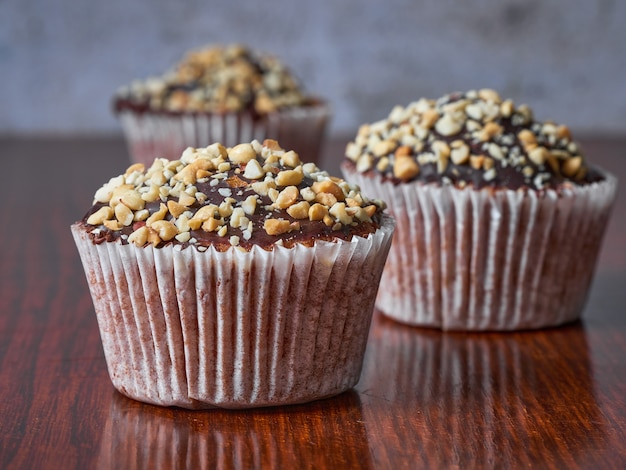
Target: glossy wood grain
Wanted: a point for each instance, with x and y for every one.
(426, 399)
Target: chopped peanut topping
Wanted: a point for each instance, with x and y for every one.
(244, 189)
(461, 134)
(276, 226)
(219, 78)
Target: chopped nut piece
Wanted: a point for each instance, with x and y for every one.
(183, 237)
(476, 161)
(440, 148)
(153, 237)
(338, 211)
(488, 94)
(562, 132)
(495, 151)
(526, 137)
(474, 111)
(241, 153)
(202, 174)
(223, 167)
(384, 147)
(205, 212)
(124, 215)
(166, 229)
(102, 214)
(525, 112)
(182, 223)
(489, 131)
(276, 226)
(506, 108)
(328, 186)
(448, 126)
(139, 167)
(370, 210)
(328, 199)
(225, 209)
(382, 164)
(119, 192)
(299, 210)
(429, 118)
(403, 151)
(571, 166)
(132, 199)
(139, 237)
(236, 182)
(272, 144)
(253, 170)
(113, 225)
(141, 215)
(352, 151)
(272, 193)
(262, 188)
(364, 163)
(405, 168)
(152, 194)
(442, 163)
(318, 212)
(291, 159)
(249, 205)
(287, 197)
(460, 154)
(211, 225)
(236, 218)
(289, 177)
(307, 194)
(186, 200)
(538, 155)
(159, 215)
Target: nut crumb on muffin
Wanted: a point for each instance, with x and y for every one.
(250, 194)
(473, 138)
(217, 79)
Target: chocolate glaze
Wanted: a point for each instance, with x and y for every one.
(309, 232)
(506, 174)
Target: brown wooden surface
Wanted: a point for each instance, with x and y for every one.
(547, 399)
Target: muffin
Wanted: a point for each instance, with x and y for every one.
(500, 218)
(233, 277)
(227, 94)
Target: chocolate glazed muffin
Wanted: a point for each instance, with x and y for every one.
(233, 277)
(227, 94)
(500, 217)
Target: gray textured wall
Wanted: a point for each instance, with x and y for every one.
(60, 60)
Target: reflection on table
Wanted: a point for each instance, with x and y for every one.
(480, 396)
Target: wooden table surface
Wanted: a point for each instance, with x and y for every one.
(426, 399)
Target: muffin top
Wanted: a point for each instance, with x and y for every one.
(250, 194)
(473, 138)
(217, 79)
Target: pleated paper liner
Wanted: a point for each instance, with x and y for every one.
(160, 134)
(234, 329)
(465, 259)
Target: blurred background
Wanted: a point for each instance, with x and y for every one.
(61, 60)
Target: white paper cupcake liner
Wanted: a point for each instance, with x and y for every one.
(152, 134)
(234, 329)
(470, 259)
